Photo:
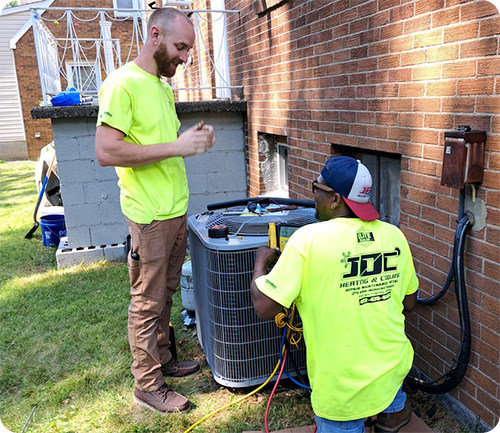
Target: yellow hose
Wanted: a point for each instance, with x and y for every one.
(236, 401)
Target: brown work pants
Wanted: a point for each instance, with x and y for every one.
(155, 264)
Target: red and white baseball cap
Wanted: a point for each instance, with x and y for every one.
(352, 180)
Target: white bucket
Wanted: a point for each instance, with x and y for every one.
(51, 210)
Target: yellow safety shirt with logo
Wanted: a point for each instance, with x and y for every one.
(141, 106)
(348, 278)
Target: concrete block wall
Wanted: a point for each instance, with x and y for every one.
(90, 192)
(218, 175)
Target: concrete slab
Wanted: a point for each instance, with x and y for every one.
(416, 425)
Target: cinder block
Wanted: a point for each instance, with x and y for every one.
(108, 234)
(73, 194)
(115, 252)
(67, 257)
(111, 213)
(98, 192)
(75, 171)
(65, 149)
(78, 236)
(70, 127)
(104, 173)
(85, 214)
(86, 146)
(197, 183)
(223, 182)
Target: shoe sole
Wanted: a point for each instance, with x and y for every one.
(154, 409)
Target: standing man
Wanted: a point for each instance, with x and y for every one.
(137, 132)
(351, 276)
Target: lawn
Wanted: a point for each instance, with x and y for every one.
(64, 348)
(64, 352)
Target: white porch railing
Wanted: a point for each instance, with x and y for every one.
(79, 47)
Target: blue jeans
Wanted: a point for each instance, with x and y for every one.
(358, 425)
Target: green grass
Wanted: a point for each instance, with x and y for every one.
(64, 348)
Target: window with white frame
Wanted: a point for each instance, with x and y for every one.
(126, 4)
(84, 77)
(274, 167)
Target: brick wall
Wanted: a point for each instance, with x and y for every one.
(391, 76)
(30, 93)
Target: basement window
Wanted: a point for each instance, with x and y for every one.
(274, 166)
(84, 76)
(385, 169)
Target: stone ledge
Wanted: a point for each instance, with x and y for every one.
(216, 105)
(67, 257)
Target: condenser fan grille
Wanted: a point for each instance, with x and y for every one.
(240, 221)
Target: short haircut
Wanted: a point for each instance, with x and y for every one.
(164, 19)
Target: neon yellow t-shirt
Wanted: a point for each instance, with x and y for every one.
(142, 107)
(348, 279)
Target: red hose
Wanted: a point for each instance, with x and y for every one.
(273, 391)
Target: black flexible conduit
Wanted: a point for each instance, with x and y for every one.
(459, 366)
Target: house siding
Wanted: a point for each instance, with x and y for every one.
(391, 76)
(12, 138)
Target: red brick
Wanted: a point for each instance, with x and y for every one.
(412, 90)
(413, 58)
(482, 47)
(427, 104)
(488, 105)
(477, 10)
(461, 32)
(462, 68)
(461, 104)
(402, 43)
(390, 61)
(441, 121)
(445, 17)
(428, 39)
(489, 27)
(417, 24)
(411, 120)
(391, 31)
(432, 72)
(443, 53)
(401, 104)
(488, 66)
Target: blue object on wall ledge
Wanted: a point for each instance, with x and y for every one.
(69, 97)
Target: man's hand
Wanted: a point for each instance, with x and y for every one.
(196, 140)
(264, 256)
(264, 306)
(112, 150)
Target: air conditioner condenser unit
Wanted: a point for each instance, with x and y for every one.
(241, 349)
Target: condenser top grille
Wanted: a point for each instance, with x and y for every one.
(240, 221)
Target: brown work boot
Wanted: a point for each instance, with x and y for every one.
(392, 422)
(162, 400)
(174, 368)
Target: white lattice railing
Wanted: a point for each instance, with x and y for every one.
(77, 48)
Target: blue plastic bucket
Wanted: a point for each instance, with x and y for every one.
(53, 228)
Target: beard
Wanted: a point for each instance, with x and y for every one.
(165, 63)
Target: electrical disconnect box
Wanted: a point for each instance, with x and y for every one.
(463, 160)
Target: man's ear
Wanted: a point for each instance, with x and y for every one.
(154, 33)
(336, 200)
